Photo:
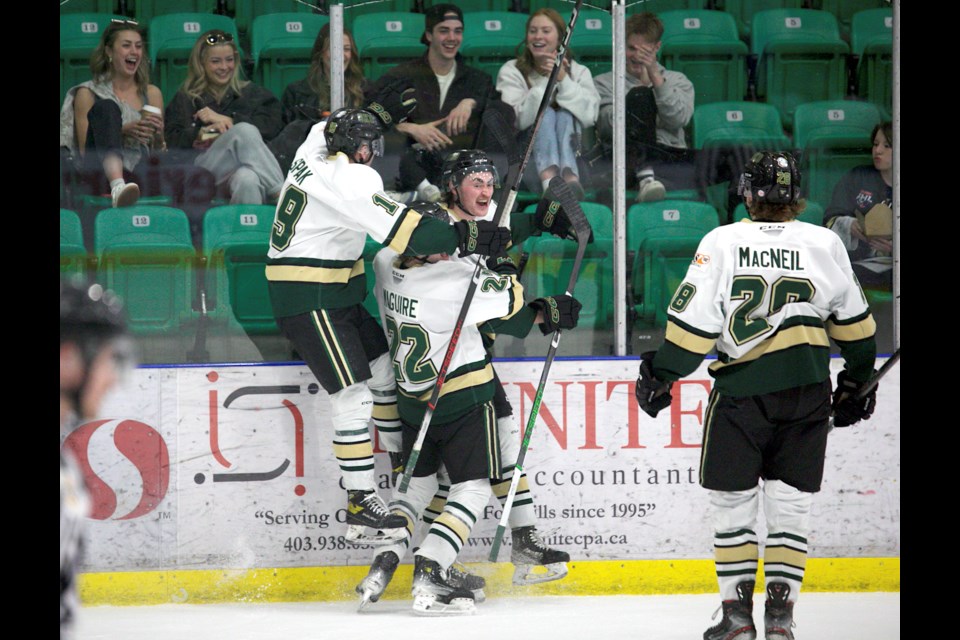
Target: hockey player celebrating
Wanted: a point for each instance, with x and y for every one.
(420, 302)
(769, 293)
(469, 178)
(331, 201)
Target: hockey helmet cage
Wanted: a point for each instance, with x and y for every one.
(462, 163)
(771, 177)
(349, 129)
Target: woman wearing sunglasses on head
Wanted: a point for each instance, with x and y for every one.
(227, 119)
(111, 124)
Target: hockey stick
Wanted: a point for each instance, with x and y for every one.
(563, 194)
(411, 463)
(872, 383)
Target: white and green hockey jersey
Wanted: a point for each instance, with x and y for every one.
(325, 212)
(768, 296)
(419, 307)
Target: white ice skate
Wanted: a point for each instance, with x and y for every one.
(433, 595)
(535, 562)
(375, 583)
(369, 522)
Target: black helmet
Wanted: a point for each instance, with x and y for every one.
(771, 176)
(88, 313)
(349, 129)
(462, 163)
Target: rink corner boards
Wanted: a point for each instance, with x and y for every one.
(585, 578)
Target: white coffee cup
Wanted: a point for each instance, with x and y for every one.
(149, 109)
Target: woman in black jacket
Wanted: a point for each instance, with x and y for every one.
(226, 119)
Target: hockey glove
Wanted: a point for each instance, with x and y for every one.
(552, 217)
(483, 237)
(653, 394)
(393, 103)
(502, 264)
(398, 461)
(558, 312)
(847, 408)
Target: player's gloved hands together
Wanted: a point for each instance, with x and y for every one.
(558, 312)
(503, 264)
(551, 216)
(653, 394)
(398, 461)
(393, 103)
(847, 409)
(484, 237)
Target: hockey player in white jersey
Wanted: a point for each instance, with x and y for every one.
(420, 301)
(768, 293)
(331, 201)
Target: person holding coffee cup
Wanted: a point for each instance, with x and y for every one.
(109, 124)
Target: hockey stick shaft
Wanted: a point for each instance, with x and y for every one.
(508, 206)
(583, 238)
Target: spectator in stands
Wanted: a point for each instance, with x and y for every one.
(226, 120)
(451, 99)
(306, 102)
(860, 212)
(574, 107)
(659, 104)
(103, 124)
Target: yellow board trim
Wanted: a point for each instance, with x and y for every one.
(586, 578)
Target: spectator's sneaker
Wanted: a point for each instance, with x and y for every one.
(650, 189)
(125, 195)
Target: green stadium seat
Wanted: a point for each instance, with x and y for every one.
(663, 237)
(146, 10)
(73, 251)
(739, 123)
(832, 137)
(813, 213)
(660, 7)
(871, 41)
(170, 39)
(592, 40)
(236, 239)
(356, 8)
(90, 6)
(705, 46)
(246, 11)
(800, 58)
(491, 38)
(146, 255)
(281, 44)
(844, 10)
(385, 39)
(548, 272)
(79, 35)
(743, 11)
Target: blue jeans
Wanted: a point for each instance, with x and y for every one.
(553, 146)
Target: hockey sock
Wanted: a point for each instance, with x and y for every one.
(787, 511)
(735, 541)
(450, 530)
(351, 408)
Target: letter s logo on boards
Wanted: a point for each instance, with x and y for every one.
(116, 456)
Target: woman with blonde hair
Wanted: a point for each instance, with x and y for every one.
(575, 105)
(104, 122)
(226, 119)
(305, 102)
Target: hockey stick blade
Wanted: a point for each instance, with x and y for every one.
(506, 208)
(559, 189)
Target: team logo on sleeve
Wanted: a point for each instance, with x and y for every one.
(701, 261)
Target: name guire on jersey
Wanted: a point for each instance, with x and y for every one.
(770, 258)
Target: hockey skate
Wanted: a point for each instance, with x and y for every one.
(375, 583)
(458, 576)
(778, 616)
(737, 622)
(369, 522)
(434, 595)
(529, 551)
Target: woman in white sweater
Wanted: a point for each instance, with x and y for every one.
(575, 105)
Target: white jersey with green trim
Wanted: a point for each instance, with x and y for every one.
(768, 296)
(419, 307)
